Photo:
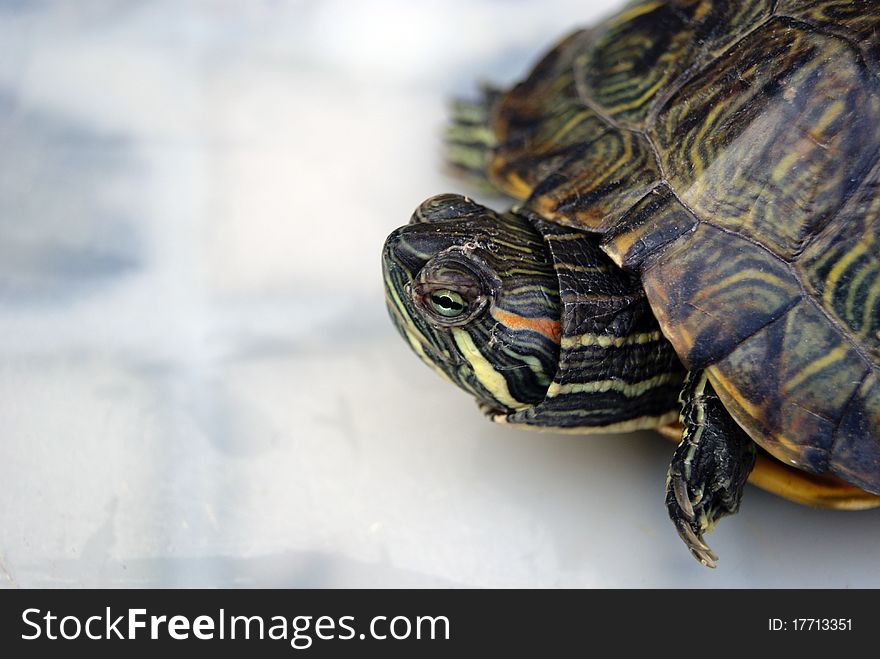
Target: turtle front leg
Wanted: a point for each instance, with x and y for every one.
(710, 467)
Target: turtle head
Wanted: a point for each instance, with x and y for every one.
(475, 295)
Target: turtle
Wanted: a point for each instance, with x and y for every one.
(692, 245)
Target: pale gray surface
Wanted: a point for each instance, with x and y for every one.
(198, 382)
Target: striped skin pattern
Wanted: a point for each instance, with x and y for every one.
(616, 369)
(605, 365)
(728, 152)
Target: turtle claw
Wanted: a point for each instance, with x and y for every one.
(694, 541)
(685, 527)
(690, 530)
(679, 489)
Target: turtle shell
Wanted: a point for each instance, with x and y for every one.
(729, 152)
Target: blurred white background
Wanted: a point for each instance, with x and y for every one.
(198, 381)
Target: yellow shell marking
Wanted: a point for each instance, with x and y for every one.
(814, 367)
(839, 268)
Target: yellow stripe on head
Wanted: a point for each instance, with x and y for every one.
(485, 373)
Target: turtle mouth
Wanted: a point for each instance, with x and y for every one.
(422, 346)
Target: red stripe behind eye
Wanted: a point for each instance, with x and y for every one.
(544, 326)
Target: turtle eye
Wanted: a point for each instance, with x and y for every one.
(449, 291)
(443, 306)
(448, 304)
